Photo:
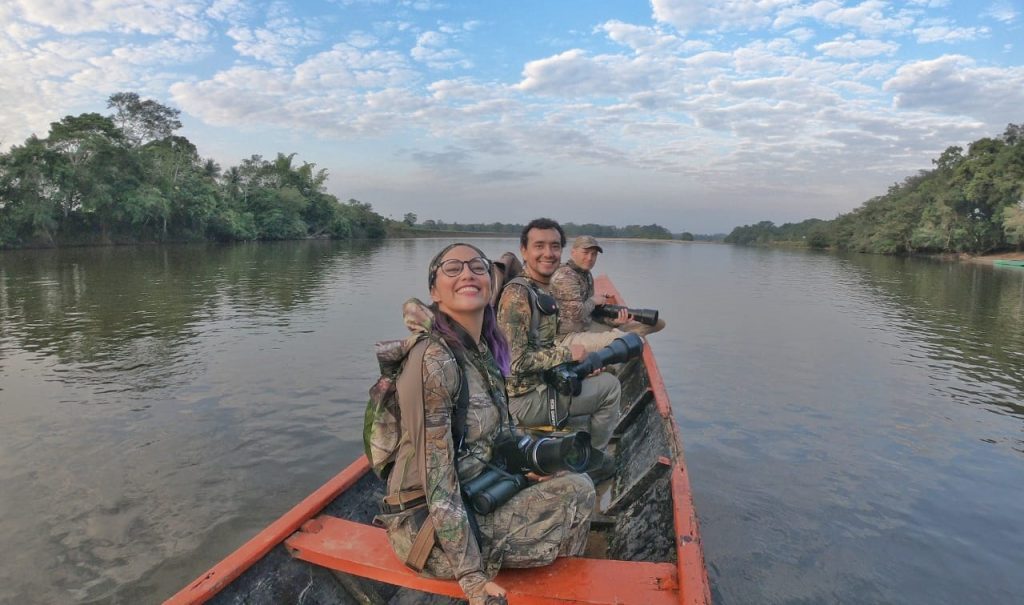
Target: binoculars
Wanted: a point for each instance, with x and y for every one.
(567, 378)
(645, 316)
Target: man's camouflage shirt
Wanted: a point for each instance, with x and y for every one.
(573, 288)
(529, 359)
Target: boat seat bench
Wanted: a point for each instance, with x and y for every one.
(363, 550)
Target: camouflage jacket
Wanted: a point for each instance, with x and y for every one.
(485, 419)
(529, 359)
(573, 288)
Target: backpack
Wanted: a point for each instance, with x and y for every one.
(382, 420)
(401, 379)
(504, 270)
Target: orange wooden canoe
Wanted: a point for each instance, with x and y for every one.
(644, 549)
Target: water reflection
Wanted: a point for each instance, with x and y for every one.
(852, 423)
(967, 320)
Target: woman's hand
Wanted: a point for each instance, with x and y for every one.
(493, 595)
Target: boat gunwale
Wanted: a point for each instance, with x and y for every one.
(232, 566)
(692, 570)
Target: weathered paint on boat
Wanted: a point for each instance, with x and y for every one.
(645, 544)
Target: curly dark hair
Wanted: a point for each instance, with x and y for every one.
(540, 223)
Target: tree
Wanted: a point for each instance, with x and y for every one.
(409, 219)
(1013, 224)
(142, 121)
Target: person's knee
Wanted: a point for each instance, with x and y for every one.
(610, 387)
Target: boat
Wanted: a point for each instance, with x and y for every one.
(1009, 263)
(644, 546)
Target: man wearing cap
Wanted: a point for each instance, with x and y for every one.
(572, 285)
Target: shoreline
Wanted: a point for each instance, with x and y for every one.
(986, 259)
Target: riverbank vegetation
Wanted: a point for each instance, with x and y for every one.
(652, 231)
(126, 177)
(970, 202)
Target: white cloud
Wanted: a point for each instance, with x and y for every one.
(944, 33)
(870, 18)
(802, 34)
(340, 92)
(431, 50)
(1002, 11)
(687, 15)
(280, 38)
(643, 39)
(956, 85)
(182, 19)
(232, 11)
(848, 47)
(574, 73)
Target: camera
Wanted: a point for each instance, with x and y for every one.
(567, 378)
(644, 316)
(544, 455)
(520, 454)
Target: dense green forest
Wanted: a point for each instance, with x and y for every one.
(126, 177)
(652, 231)
(969, 202)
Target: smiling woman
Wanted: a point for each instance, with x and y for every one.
(450, 439)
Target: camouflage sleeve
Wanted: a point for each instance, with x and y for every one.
(574, 306)
(444, 501)
(514, 311)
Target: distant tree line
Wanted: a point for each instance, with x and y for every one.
(970, 202)
(126, 177)
(652, 231)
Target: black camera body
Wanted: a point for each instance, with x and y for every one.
(567, 378)
(520, 454)
(645, 316)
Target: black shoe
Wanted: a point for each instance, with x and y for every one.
(601, 467)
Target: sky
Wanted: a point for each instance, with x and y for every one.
(696, 115)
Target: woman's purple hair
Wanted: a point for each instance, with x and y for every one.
(491, 333)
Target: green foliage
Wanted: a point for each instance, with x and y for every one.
(128, 177)
(969, 203)
(652, 231)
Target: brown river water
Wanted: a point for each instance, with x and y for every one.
(853, 425)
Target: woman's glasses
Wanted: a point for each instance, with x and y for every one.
(453, 266)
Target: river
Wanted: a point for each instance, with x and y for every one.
(853, 425)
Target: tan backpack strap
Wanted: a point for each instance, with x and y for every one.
(421, 547)
(410, 397)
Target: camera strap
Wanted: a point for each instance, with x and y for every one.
(552, 395)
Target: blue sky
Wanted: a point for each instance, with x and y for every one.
(696, 115)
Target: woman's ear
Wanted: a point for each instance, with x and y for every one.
(433, 294)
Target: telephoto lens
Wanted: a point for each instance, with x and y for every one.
(644, 316)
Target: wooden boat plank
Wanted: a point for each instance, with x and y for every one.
(363, 550)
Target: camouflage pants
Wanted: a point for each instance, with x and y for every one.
(597, 406)
(549, 519)
(591, 340)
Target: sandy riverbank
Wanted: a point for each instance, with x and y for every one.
(988, 258)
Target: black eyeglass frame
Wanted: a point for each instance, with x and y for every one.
(486, 266)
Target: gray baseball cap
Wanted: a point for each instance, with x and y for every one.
(587, 241)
